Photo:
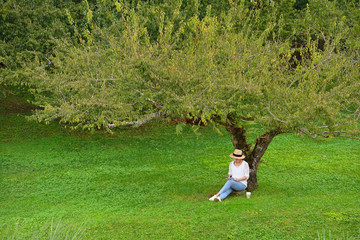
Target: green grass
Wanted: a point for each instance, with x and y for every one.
(149, 183)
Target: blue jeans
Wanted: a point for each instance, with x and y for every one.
(229, 187)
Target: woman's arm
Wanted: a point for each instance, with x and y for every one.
(230, 170)
(246, 173)
(240, 179)
(247, 170)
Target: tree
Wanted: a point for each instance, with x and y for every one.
(28, 30)
(236, 71)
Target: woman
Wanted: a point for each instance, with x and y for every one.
(238, 176)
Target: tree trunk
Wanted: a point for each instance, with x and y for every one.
(262, 143)
(238, 138)
(253, 156)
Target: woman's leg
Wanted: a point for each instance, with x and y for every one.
(225, 190)
(229, 186)
(238, 186)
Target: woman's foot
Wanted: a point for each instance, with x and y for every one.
(212, 198)
(215, 198)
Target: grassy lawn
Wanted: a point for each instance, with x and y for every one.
(149, 183)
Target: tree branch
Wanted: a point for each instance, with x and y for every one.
(137, 123)
(356, 113)
(277, 119)
(156, 104)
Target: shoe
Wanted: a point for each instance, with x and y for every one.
(212, 198)
(217, 199)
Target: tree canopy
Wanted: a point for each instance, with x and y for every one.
(242, 63)
(286, 66)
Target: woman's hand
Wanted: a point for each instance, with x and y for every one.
(239, 179)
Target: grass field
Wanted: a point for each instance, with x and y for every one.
(149, 183)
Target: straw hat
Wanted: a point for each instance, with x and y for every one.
(237, 154)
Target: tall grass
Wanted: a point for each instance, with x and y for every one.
(326, 235)
(55, 230)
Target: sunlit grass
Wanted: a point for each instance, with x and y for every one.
(149, 183)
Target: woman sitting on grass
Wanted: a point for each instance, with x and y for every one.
(238, 176)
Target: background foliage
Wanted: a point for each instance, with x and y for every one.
(285, 64)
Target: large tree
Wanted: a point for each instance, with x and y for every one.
(243, 68)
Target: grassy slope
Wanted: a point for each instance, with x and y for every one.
(149, 183)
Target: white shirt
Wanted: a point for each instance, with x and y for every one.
(240, 171)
